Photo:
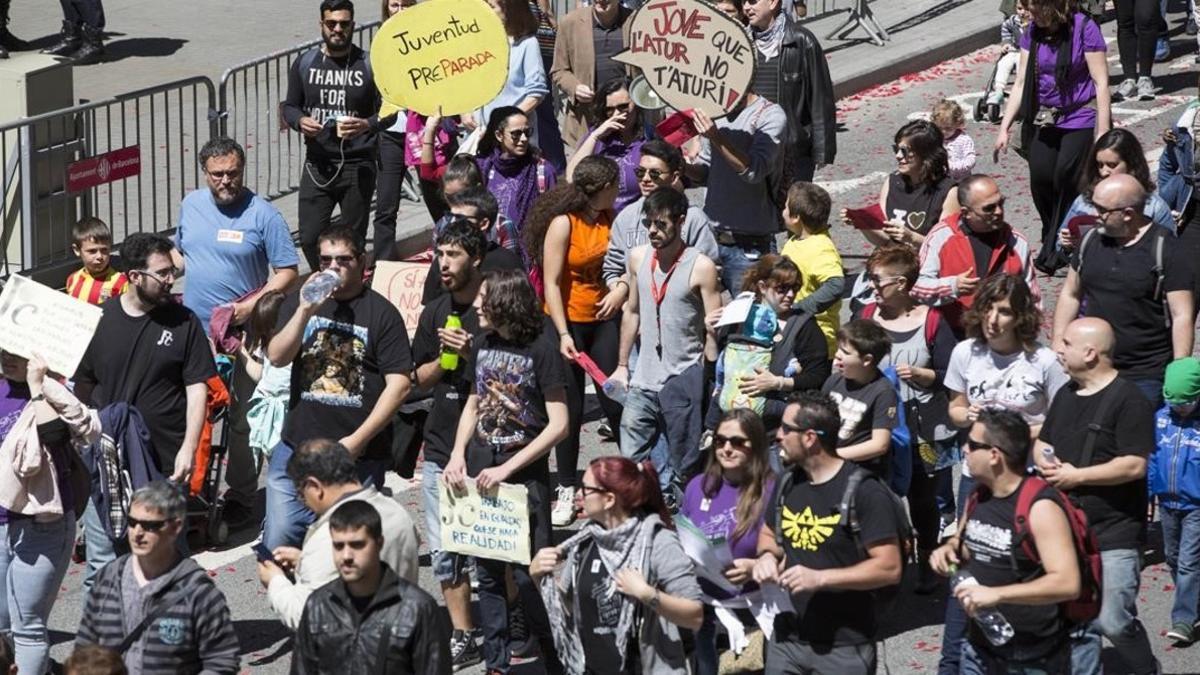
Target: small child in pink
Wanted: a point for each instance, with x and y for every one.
(949, 118)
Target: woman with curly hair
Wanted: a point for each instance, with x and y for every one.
(513, 170)
(567, 235)
(515, 413)
(1000, 365)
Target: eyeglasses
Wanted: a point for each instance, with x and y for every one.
(655, 174)
(516, 134)
(738, 442)
(1102, 212)
(656, 223)
(976, 445)
(585, 489)
(333, 24)
(233, 174)
(786, 289)
(165, 277)
(792, 429)
(902, 150)
(610, 110)
(147, 525)
(342, 260)
(883, 282)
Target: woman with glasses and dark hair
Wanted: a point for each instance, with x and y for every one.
(726, 502)
(567, 235)
(514, 415)
(922, 343)
(1002, 366)
(619, 137)
(42, 425)
(619, 590)
(513, 170)
(790, 347)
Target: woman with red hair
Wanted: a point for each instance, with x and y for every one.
(626, 554)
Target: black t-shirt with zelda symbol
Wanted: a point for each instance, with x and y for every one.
(814, 536)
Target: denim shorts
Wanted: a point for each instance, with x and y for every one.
(448, 568)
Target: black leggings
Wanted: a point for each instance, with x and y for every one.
(1055, 159)
(600, 340)
(922, 505)
(1138, 25)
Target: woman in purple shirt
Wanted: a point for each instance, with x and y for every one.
(619, 137)
(1072, 79)
(726, 502)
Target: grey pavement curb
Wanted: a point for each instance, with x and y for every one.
(891, 70)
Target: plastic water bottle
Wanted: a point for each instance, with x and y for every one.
(449, 358)
(615, 390)
(995, 627)
(320, 286)
(1048, 455)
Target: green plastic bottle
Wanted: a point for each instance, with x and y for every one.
(449, 358)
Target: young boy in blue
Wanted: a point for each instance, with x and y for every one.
(1174, 477)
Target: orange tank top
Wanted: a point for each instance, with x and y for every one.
(582, 282)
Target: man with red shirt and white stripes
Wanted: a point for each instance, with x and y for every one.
(969, 246)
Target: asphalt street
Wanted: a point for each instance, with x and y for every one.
(869, 119)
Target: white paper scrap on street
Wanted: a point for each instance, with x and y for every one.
(711, 558)
(38, 318)
(737, 310)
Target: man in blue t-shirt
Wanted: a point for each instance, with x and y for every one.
(235, 246)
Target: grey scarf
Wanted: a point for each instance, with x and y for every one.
(627, 545)
(770, 41)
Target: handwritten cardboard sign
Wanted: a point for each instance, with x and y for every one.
(493, 526)
(692, 55)
(403, 284)
(36, 317)
(448, 53)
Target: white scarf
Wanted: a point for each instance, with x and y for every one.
(770, 41)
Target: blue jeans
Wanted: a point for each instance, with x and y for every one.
(735, 260)
(954, 635)
(100, 548)
(1181, 545)
(673, 413)
(973, 663)
(286, 517)
(1151, 388)
(1118, 619)
(707, 658)
(33, 561)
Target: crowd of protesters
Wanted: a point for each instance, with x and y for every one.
(779, 463)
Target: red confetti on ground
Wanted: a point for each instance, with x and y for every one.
(212, 573)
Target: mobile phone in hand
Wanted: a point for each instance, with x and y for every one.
(263, 553)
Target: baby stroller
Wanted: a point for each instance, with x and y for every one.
(992, 112)
(205, 506)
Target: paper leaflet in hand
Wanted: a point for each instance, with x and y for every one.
(870, 218)
(711, 556)
(677, 129)
(1079, 225)
(737, 310)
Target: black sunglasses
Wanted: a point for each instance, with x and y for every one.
(516, 134)
(331, 24)
(655, 174)
(147, 525)
(793, 429)
(738, 442)
(343, 260)
(976, 445)
(902, 150)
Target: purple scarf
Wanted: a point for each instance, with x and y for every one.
(513, 181)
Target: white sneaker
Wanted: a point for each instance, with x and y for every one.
(563, 513)
(1126, 90)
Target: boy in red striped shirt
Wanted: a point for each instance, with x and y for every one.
(97, 281)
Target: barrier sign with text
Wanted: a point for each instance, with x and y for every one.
(403, 284)
(692, 55)
(107, 168)
(448, 53)
(59, 327)
(493, 526)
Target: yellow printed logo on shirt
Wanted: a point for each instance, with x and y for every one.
(807, 531)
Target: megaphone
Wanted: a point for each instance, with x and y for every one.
(643, 96)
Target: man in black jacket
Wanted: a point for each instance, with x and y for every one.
(333, 102)
(792, 72)
(369, 620)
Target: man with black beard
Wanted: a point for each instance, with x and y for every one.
(332, 100)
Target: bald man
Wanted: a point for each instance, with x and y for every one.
(1093, 446)
(1116, 271)
(968, 247)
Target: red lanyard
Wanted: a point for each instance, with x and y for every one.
(658, 294)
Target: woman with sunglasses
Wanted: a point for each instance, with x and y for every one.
(41, 426)
(619, 590)
(567, 234)
(619, 136)
(799, 356)
(513, 170)
(919, 192)
(1000, 365)
(726, 502)
(922, 342)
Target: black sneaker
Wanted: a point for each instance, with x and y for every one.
(464, 652)
(520, 642)
(237, 515)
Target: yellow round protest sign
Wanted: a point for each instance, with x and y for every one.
(448, 53)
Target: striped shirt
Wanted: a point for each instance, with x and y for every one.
(82, 285)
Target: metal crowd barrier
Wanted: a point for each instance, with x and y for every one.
(250, 104)
(154, 134)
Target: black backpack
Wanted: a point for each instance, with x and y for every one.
(849, 521)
